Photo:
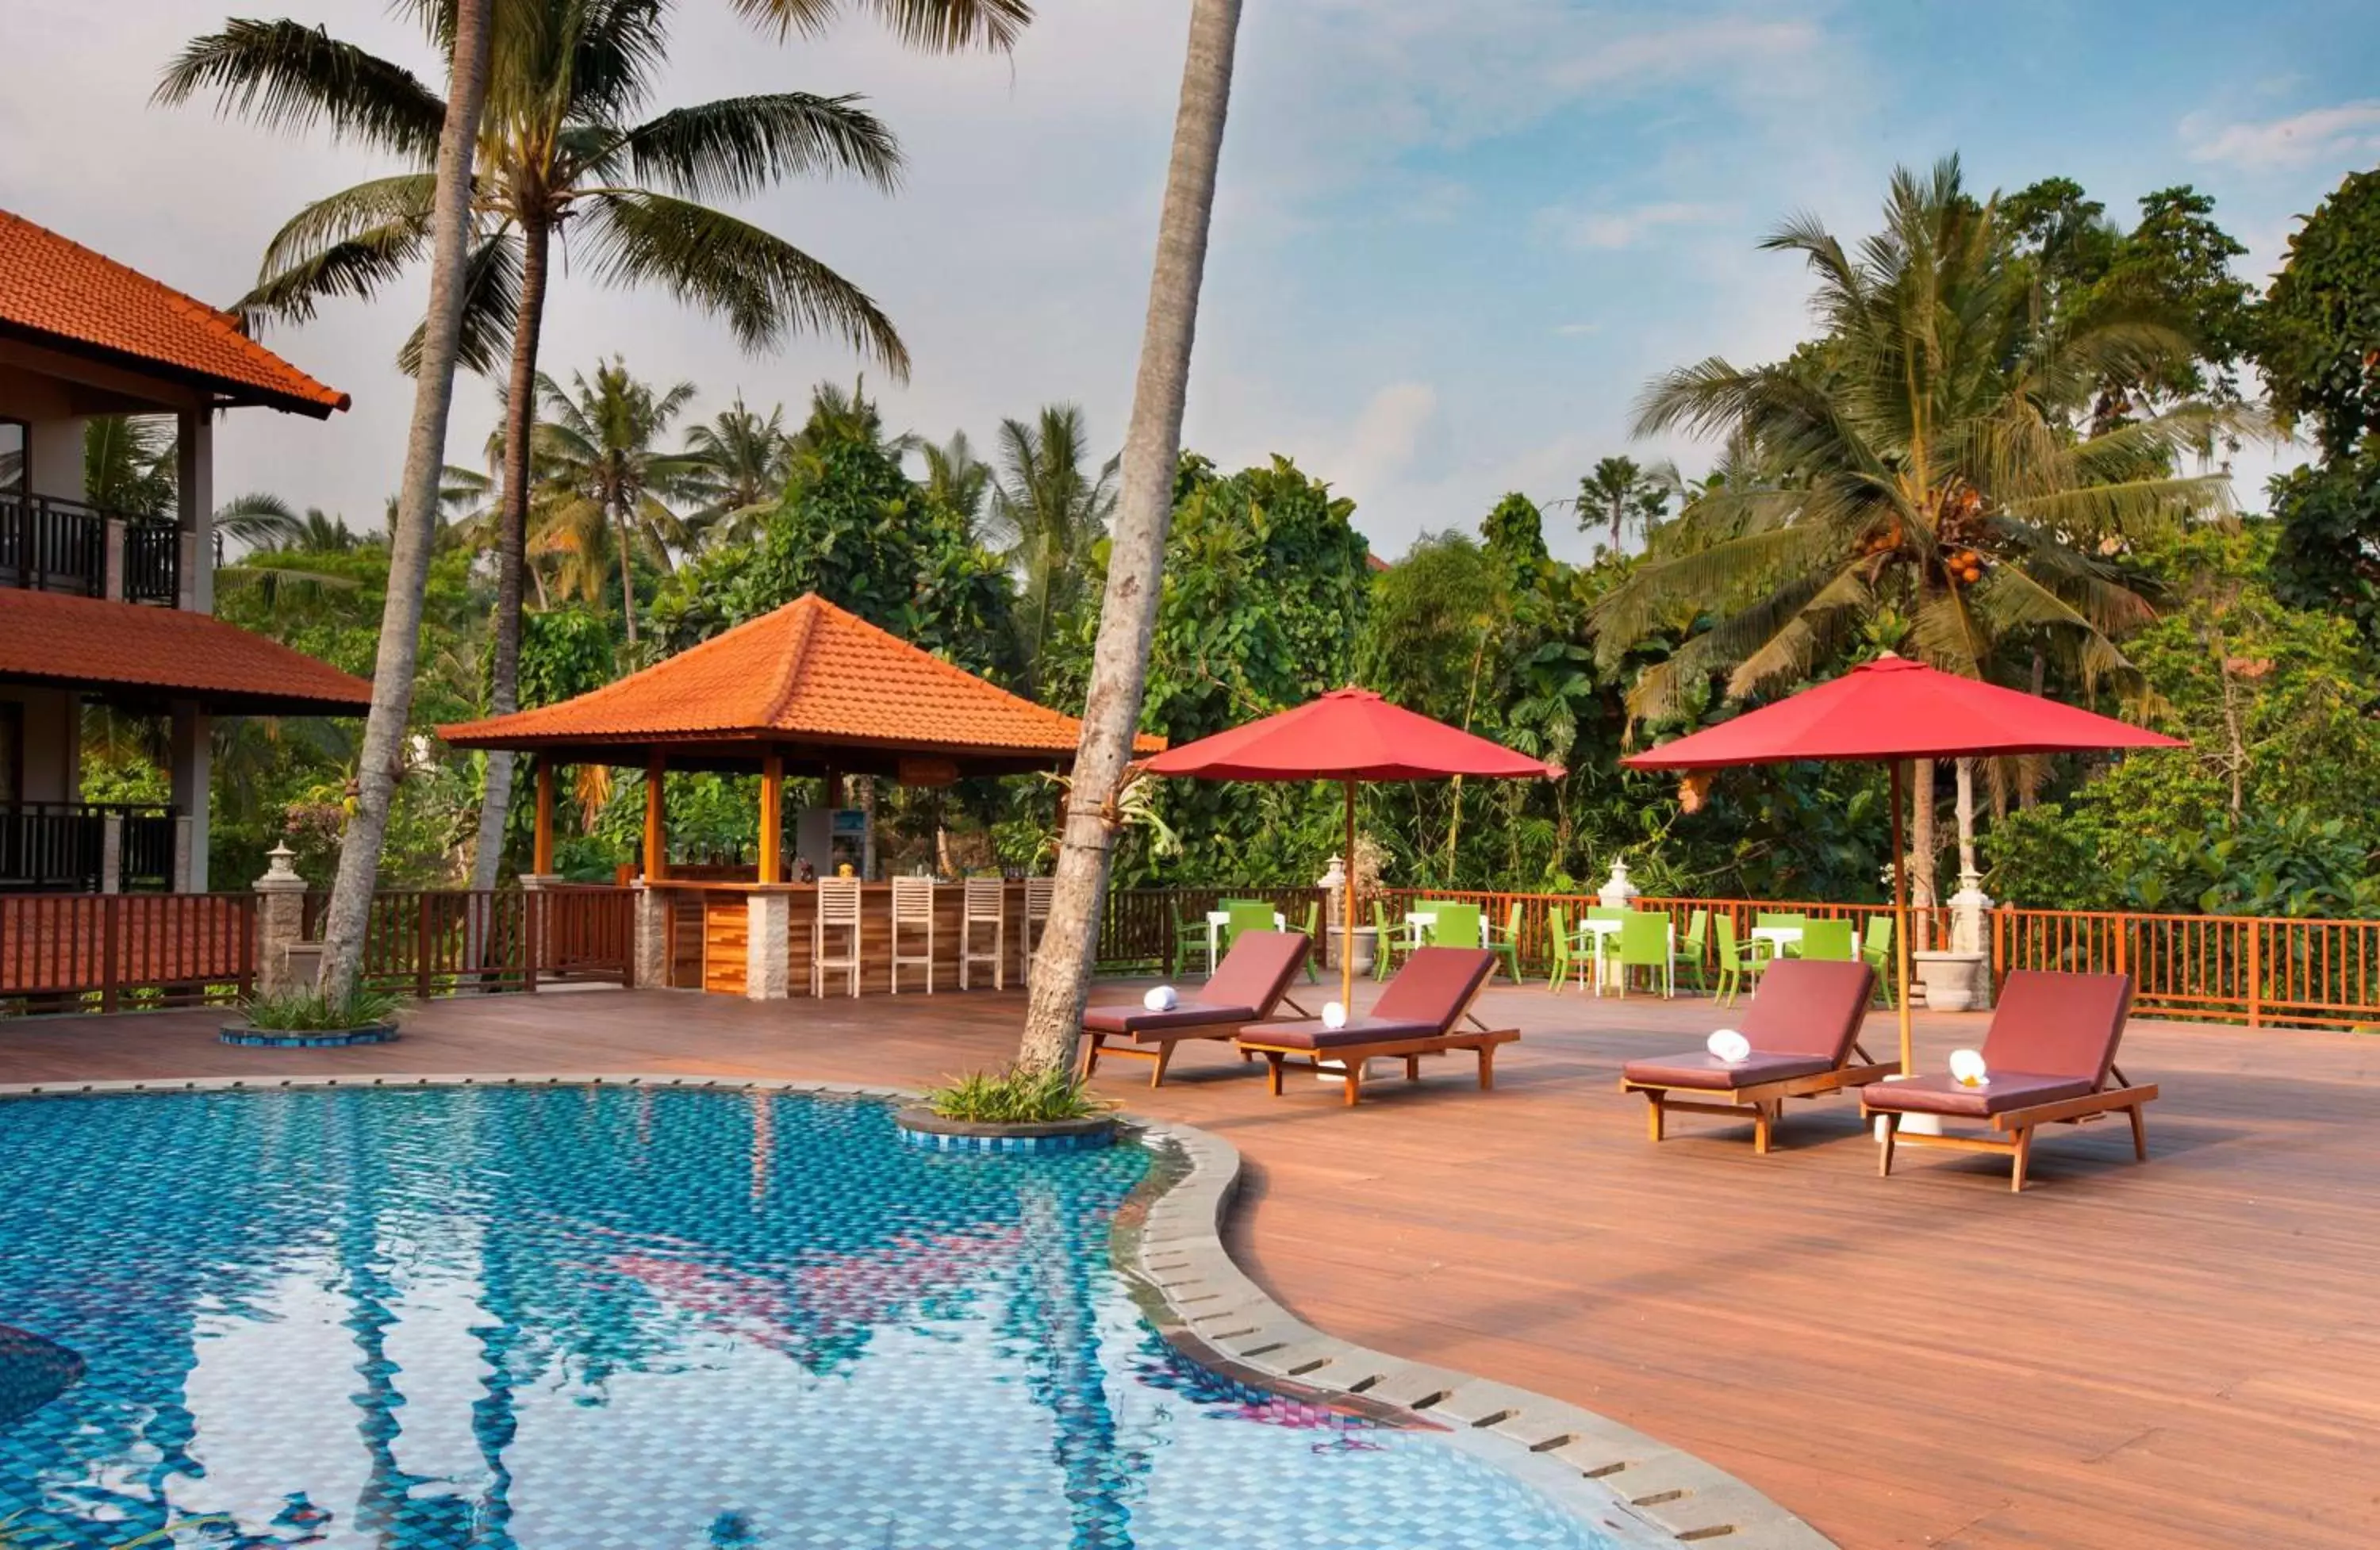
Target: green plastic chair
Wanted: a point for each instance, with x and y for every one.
(1558, 931)
(1876, 951)
(1457, 926)
(1312, 935)
(1644, 944)
(1602, 911)
(1187, 943)
(1693, 947)
(1389, 941)
(1735, 964)
(1507, 945)
(1246, 915)
(1829, 941)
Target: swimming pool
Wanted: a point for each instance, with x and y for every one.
(559, 1317)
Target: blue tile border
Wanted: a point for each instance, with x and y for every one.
(1640, 1491)
(263, 1038)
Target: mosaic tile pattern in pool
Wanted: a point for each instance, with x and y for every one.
(435, 1318)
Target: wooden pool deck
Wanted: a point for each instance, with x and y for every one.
(2180, 1354)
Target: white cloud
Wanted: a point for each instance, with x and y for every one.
(1576, 330)
(1609, 229)
(2347, 132)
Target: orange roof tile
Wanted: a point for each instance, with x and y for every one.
(49, 637)
(60, 293)
(808, 673)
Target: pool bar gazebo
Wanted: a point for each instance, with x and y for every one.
(809, 690)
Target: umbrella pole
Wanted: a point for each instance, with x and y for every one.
(1901, 925)
(1347, 915)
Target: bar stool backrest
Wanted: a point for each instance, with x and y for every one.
(913, 900)
(838, 901)
(983, 898)
(1039, 893)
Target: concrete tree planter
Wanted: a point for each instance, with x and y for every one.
(1954, 981)
(1367, 949)
(920, 1126)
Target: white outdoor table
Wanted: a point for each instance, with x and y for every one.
(1592, 932)
(1216, 921)
(1779, 938)
(1418, 925)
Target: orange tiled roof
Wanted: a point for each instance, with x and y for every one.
(85, 643)
(60, 293)
(807, 673)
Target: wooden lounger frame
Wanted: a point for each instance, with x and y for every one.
(1159, 1053)
(1765, 1100)
(1408, 1049)
(2016, 1125)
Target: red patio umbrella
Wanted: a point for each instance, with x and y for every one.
(1348, 735)
(1892, 710)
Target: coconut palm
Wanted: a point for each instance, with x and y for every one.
(1047, 511)
(603, 481)
(957, 480)
(1152, 450)
(1623, 493)
(1924, 459)
(739, 464)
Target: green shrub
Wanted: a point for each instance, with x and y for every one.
(1015, 1098)
(308, 1012)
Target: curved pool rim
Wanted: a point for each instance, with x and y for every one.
(1168, 1243)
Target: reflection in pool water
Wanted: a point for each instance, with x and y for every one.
(435, 1318)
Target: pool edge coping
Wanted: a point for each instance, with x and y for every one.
(1621, 1482)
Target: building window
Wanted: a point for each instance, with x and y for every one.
(15, 456)
(12, 750)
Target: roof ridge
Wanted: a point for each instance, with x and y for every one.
(805, 625)
(202, 313)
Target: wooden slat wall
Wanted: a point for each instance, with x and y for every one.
(709, 950)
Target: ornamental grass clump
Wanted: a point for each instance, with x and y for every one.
(310, 1011)
(1011, 1097)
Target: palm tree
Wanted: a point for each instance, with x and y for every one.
(1623, 493)
(739, 465)
(128, 463)
(560, 143)
(1046, 512)
(955, 480)
(602, 476)
(1925, 460)
(1152, 449)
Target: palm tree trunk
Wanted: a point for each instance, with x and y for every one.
(1922, 895)
(380, 758)
(627, 582)
(1966, 811)
(512, 542)
(1136, 554)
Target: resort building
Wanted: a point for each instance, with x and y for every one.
(115, 606)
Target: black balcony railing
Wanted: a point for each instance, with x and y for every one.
(61, 847)
(49, 544)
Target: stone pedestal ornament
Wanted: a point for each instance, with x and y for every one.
(1952, 980)
(652, 937)
(280, 967)
(1617, 891)
(1333, 884)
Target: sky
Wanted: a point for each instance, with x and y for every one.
(1452, 242)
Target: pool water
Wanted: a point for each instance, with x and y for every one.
(429, 1318)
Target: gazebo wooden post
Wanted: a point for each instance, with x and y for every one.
(656, 830)
(542, 846)
(772, 816)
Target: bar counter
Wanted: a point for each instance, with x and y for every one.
(708, 924)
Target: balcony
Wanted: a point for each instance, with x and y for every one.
(50, 544)
(73, 847)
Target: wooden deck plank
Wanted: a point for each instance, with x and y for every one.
(2182, 1354)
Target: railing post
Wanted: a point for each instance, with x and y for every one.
(532, 937)
(421, 945)
(111, 933)
(2256, 971)
(281, 920)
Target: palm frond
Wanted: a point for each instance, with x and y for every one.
(743, 145)
(937, 26)
(491, 306)
(1719, 579)
(763, 286)
(285, 75)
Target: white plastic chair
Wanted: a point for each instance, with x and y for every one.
(912, 906)
(986, 904)
(838, 910)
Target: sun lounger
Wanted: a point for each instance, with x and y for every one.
(2050, 1057)
(1802, 1024)
(1251, 981)
(1417, 1015)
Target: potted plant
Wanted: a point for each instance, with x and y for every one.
(309, 1020)
(1011, 1110)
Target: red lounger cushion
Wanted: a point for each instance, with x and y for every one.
(1804, 1019)
(1362, 1030)
(1131, 1019)
(1709, 1072)
(1942, 1093)
(1435, 985)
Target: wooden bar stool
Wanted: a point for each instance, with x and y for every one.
(1038, 894)
(986, 904)
(912, 906)
(838, 910)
